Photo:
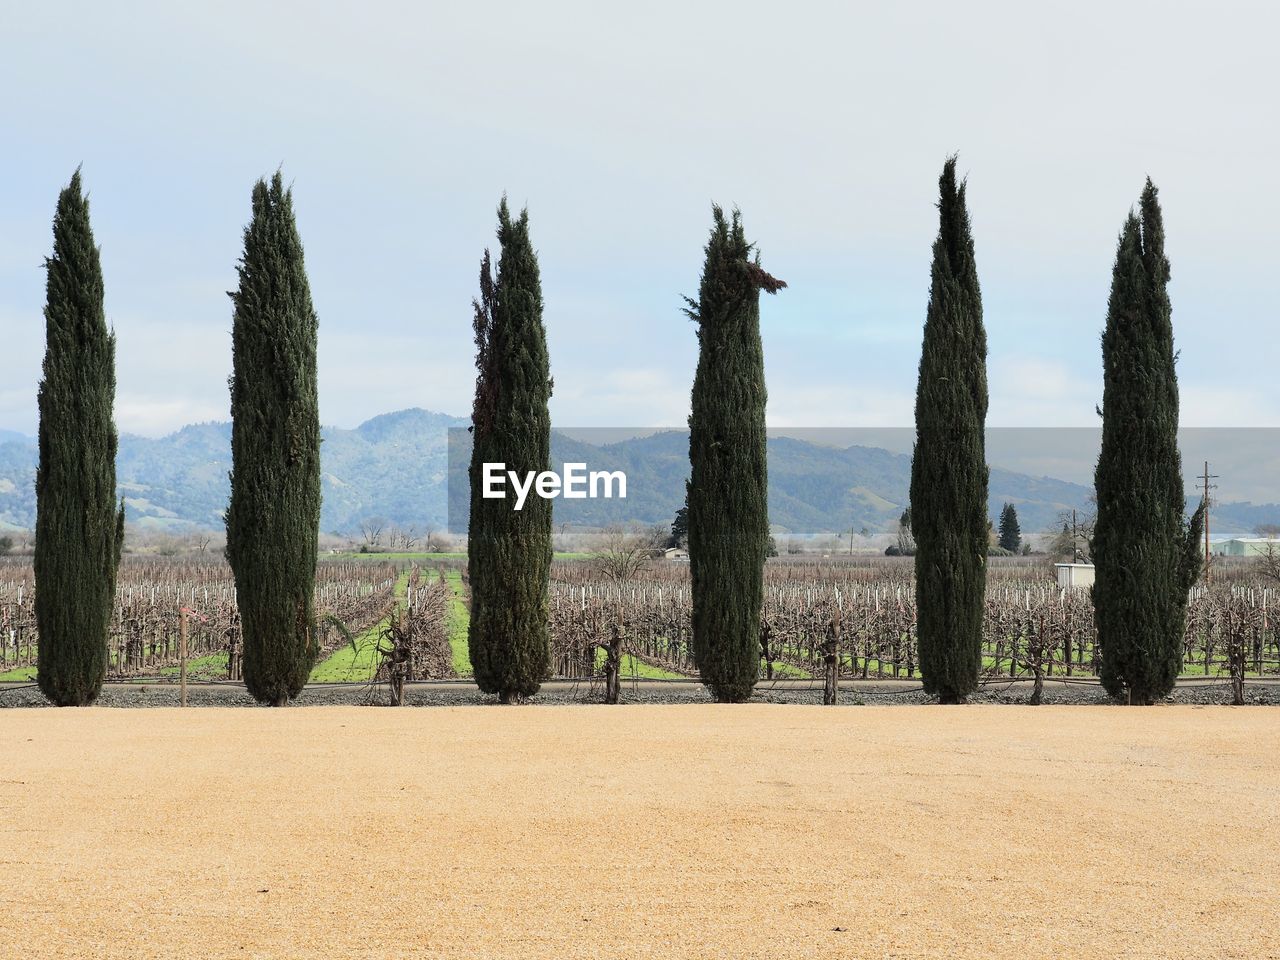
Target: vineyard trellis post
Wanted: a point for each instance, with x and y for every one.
(182, 653)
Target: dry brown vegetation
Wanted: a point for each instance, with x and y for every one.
(144, 632)
(861, 616)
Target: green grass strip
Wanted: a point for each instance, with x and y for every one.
(357, 664)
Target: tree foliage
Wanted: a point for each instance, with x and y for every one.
(1145, 551)
(79, 527)
(273, 519)
(949, 468)
(679, 536)
(509, 551)
(727, 491)
(1010, 538)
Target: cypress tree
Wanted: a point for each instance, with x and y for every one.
(1010, 532)
(79, 528)
(273, 519)
(949, 467)
(1145, 552)
(728, 487)
(509, 550)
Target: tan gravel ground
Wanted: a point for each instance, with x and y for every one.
(698, 831)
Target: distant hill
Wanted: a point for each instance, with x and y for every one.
(392, 466)
(396, 467)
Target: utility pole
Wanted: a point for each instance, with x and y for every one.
(1208, 557)
(1075, 544)
(851, 541)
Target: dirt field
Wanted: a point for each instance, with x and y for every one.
(685, 831)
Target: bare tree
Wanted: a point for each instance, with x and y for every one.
(403, 538)
(371, 529)
(559, 538)
(1072, 542)
(624, 552)
(1268, 562)
(437, 542)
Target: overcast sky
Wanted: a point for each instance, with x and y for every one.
(401, 124)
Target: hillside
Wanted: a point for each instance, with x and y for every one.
(392, 466)
(397, 466)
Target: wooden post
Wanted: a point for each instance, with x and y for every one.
(831, 659)
(182, 653)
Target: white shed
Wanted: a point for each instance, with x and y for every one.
(1075, 574)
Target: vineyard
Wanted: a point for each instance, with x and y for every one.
(825, 620)
(858, 621)
(353, 599)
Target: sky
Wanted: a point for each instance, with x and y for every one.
(400, 126)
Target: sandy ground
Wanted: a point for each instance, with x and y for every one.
(681, 831)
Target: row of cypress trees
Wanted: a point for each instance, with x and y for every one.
(274, 514)
(1145, 550)
(509, 551)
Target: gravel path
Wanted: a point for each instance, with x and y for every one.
(460, 693)
(690, 832)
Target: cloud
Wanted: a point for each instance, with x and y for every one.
(152, 415)
(795, 403)
(1228, 404)
(623, 397)
(614, 126)
(1036, 391)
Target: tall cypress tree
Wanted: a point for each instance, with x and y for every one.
(509, 550)
(273, 519)
(79, 529)
(1146, 554)
(728, 486)
(949, 466)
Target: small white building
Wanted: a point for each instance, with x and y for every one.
(677, 554)
(1074, 575)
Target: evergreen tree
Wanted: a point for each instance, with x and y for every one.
(509, 550)
(949, 467)
(1145, 552)
(727, 490)
(1010, 532)
(680, 526)
(79, 528)
(273, 519)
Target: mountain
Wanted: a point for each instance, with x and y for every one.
(409, 467)
(392, 466)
